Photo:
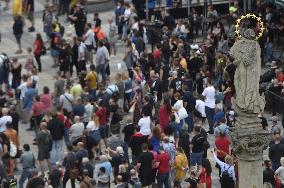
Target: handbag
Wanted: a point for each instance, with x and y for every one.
(74, 173)
(43, 50)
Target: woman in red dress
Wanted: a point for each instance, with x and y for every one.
(165, 112)
(205, 174)
(38, 46)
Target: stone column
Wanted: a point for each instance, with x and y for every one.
(248, 138)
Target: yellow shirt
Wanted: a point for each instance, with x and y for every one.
(76, 90)
(17, 8)
(92, 80)
(180, 164)
(183, 63)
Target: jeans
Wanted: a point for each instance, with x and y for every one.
(189, 122)
(163, 180)
(26, 174)
(57, 146)
(209, 115)
(66, 178)
(37, 57)
(125, 31)
(101, 70)
(269, 53)
(196, 158)
(126, 101)
(125, 150)
(66, 136)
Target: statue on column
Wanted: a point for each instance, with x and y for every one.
(249, 139)
(246, 54)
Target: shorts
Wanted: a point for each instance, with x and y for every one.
(103, 131)
(31, 16)
(196, 158)
(43, 154)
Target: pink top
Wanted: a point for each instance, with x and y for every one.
(46, 100)
(37, 108)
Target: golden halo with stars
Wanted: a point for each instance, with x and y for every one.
(250, 16)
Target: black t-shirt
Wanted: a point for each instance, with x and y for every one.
(145, 158)
(190, 100)
(156, 86)
(128, 131)
(268, 176)
(31, 4)
(192, 182)
(147, 108)
(189, 84)
(231, 69)
(198, 143)
(81, 18)
(176, 85)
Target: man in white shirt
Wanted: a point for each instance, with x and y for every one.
(77, 129)
(209, 94)
(81, 55)
(145, 124)
(4, 119)
(200, 107)
(66, 100)
(90, 42)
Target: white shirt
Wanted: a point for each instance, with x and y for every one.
(76, 130)
(3, 121)
(65, 103)
(81, 51)
(90, 37)
(92, 126)
(200, 107)
(23, 87)
(88, 112)
(145, 125)
(209, 94)
(127, 14)
(280, 172)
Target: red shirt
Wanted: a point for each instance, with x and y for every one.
(222, 144)
(164, 117)
(37, 47)
(37, 108)
(164, 160)
(156, 55)
(101, 113)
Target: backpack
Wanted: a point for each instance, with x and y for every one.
(5, 62)
(9, 182)
(225, 176)
(13, 149)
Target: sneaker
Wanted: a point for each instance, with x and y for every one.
(31, 29)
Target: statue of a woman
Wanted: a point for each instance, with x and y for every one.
(246, 54)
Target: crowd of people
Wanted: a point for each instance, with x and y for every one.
(146, 126)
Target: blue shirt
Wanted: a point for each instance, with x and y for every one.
(105, 164)
(29, 98)
(218, 116)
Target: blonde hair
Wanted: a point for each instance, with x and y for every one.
(282, 161)
(229, 160)
(122, 168)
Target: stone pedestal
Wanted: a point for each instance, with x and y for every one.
(250, 174)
